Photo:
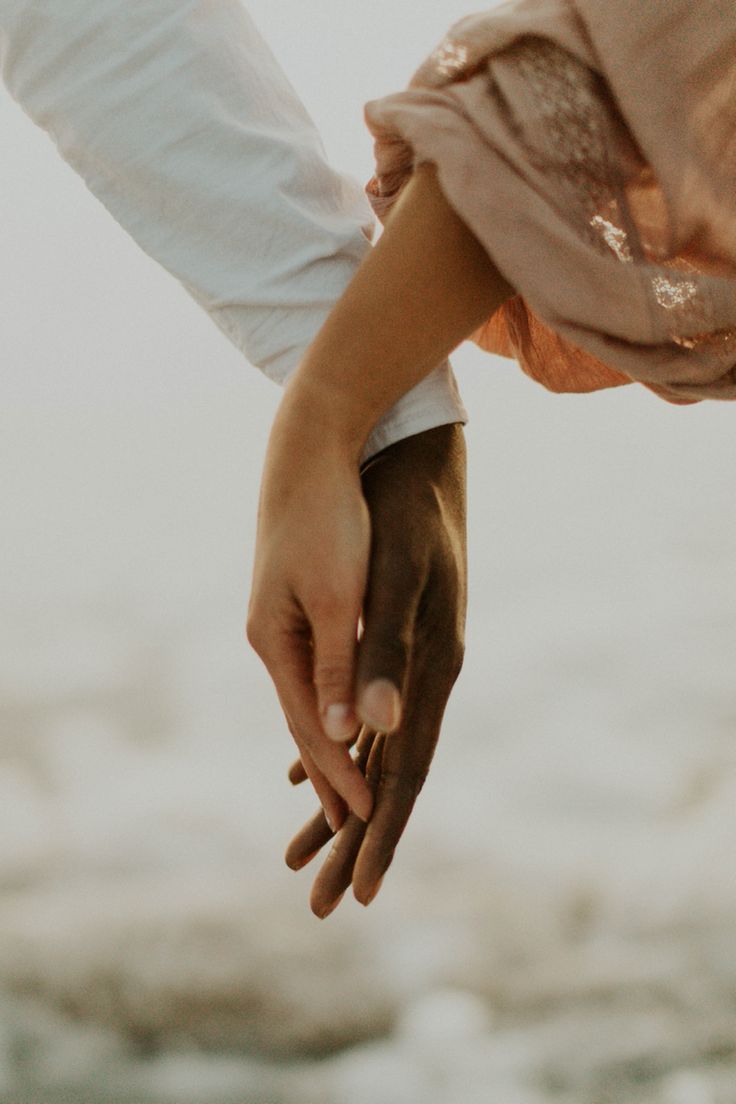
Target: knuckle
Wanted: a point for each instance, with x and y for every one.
(261, 633)
(333, 597)
(255, 633)
(447, 655)
(332, 674)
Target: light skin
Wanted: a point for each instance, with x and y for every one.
(426, 286)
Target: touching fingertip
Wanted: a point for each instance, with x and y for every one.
(380, 705)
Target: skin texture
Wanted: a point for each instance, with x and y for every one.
(426, 286)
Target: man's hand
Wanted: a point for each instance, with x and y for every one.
(414, 620)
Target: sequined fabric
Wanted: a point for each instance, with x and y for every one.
(591, 147)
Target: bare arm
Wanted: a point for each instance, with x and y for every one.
(426, 286)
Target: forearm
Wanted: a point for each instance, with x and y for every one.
(426, 286)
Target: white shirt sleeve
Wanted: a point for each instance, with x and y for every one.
(180, 120)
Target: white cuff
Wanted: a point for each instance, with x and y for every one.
(433, 402)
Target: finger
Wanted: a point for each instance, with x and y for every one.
(405, 762)
(392, 600)
(335, 644)
(297, 773)
(333, 806)
(291, 670)
(310, 839)
(336, 872)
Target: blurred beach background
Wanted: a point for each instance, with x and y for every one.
(558, 926)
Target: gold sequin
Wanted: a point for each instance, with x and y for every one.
(720, 346)
(616, 238)
(673, 294)
(450, 58)
(569, 143)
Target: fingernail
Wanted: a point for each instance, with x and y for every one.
(365, 811)
(374, 893)
(325, 912)
(332, 822)
(338, 721)
(380, 705)
(297, 864)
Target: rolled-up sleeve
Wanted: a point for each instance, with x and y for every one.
(180, 120)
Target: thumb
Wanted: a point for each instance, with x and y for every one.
(335, 643)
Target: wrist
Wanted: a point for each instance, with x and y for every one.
(316, 414)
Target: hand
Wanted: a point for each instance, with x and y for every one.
(309, 580)
(414, 623)
(426, 286)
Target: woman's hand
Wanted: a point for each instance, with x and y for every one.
(310, 574)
